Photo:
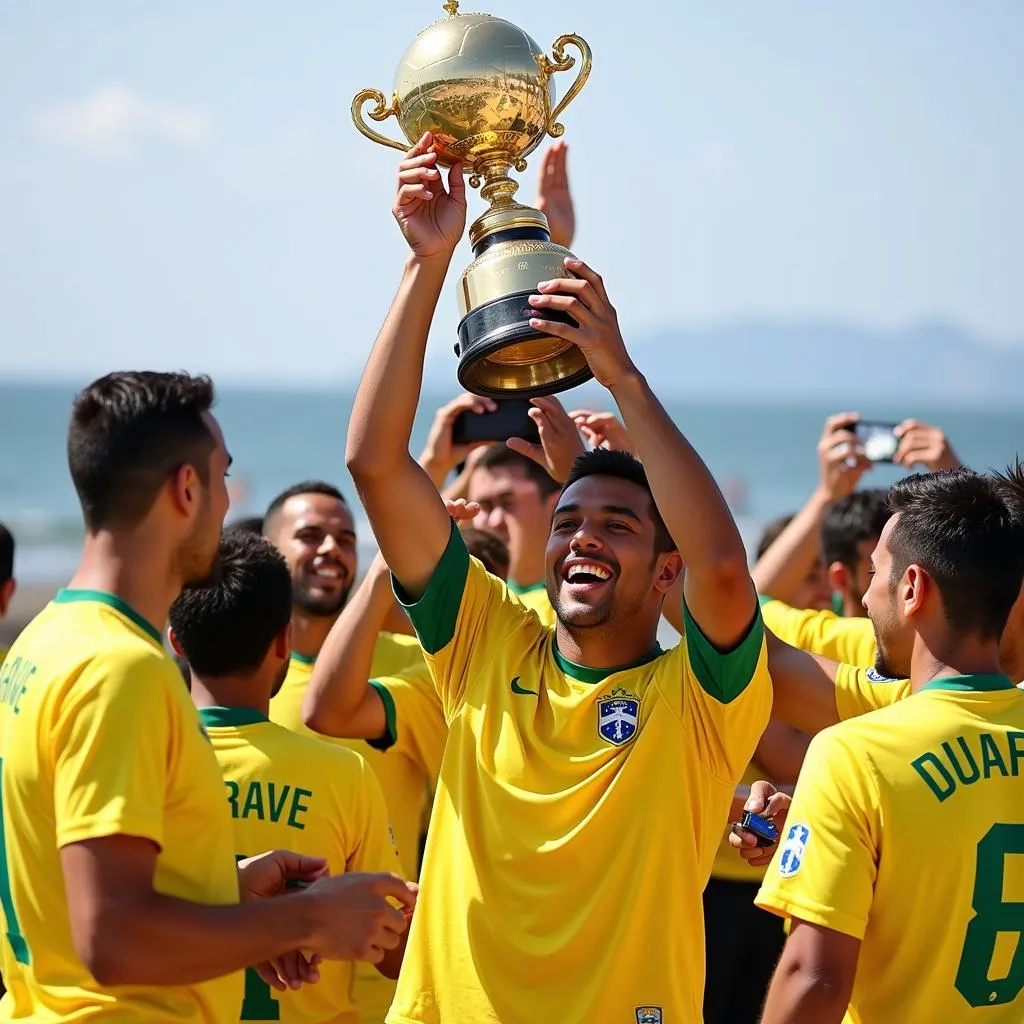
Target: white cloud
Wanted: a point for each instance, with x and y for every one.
(112, 120)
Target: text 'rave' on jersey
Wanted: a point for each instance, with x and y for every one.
(907, 832)
(292, 792)
(577, 815)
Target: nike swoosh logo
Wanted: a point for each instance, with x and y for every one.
(516, 688)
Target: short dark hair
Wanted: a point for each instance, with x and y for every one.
(770, 534)
(228, 625)
(305, 487)
(500, 456)
(245, 524)
(624, 466)
(1011, 486)
(858, 517)
(960, 528)
(489, 548)
(129, 432)
(6, 554)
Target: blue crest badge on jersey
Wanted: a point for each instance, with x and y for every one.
(875, 676)
(791, 857)
(648, 1015)
(618, 716)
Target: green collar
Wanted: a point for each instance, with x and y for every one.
(302, 659)
(67, 596)
(837, 603)
(969, 684)
(583, 674)
(215, 717)
(519, 590)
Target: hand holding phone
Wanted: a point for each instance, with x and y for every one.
(878, 439)
(763, 831)
(511, 418)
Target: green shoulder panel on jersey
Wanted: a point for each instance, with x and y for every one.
(435, 614)
(390, 737)
(723, 675)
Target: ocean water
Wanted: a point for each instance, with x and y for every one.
(763, 455)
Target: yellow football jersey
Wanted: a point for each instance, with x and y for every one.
(536, 598)
(576, 817)
(292, 792)
(907, 832)
(821, 632)
(401, 778)
(98, 738)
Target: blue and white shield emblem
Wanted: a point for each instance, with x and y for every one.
(618, 717)
(648, 1015)
(791, 857)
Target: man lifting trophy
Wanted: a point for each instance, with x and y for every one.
(485, 91)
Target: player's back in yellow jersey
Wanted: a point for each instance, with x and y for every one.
(98, 738)
(287, 791)
(403, 780)
(907, 832)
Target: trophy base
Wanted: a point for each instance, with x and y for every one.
(502, 356)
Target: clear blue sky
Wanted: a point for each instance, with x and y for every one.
(180, 184)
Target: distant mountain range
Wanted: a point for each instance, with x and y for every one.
(825, 360)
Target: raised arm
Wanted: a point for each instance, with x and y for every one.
(339, 699)
(782, 569)
(717, 587)
(394, 489)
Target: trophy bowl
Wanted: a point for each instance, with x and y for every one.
(484, 89)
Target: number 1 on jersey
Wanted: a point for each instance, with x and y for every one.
(14, 936)
(259, 1003)
(993, 917)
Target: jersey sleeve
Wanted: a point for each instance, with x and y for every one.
(824, 870)
(860, 690)
(374, 848)
(821, 632)
(112, 736)
(416, 726)
(463, 618)
(727, 698)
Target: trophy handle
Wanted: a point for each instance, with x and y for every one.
(563, 63)
(379, 113)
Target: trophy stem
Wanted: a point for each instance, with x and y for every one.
(498, 188)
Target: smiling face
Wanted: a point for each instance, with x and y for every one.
(602, 563)
(316, 535)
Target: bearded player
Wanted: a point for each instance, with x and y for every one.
(588, 774)
(913, 813)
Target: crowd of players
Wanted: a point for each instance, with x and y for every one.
(495, 687)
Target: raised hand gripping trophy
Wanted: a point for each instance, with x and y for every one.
(483, 89)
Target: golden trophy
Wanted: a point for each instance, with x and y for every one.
(483, 88)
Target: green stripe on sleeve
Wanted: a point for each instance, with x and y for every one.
(390, 735)
(723, 675)
(435, 614)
